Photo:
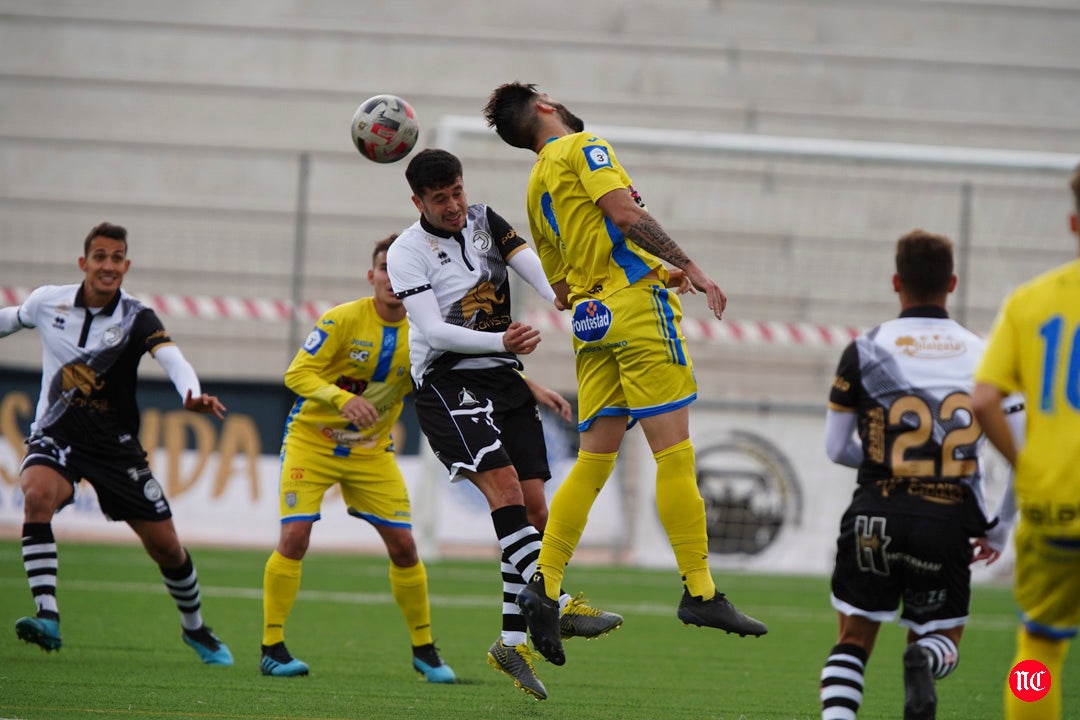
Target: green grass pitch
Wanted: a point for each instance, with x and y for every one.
(123, 658)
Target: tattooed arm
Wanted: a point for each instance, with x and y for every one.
(648, 235)
(641, 227)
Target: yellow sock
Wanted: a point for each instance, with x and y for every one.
(568, 514)
(1050, 653)
(682, 512)
(281, 583)
(409, 588)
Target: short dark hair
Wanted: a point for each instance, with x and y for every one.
(382, 246)
(108, 230)
(924, 262)
(432, 169)
(510, 111)
(1074, 183)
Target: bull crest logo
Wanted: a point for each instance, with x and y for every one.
(481, 241)
(481, 298)
(82, 377)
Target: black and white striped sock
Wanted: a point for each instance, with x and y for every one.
(41, 563)
(183, 585)
(842, 682)
(944, 655)
(520, 544)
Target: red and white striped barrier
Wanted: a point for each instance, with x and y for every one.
(727, 332)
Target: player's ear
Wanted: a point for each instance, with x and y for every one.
(896, 282)
(1074, 224)
(418, 203)
(952, 283)
(82, 263)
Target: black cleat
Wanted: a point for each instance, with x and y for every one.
(541, 614)
(920, 698)
(718, 612)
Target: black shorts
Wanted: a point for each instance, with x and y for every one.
(125, 486)
(477, 420)
(883, 559)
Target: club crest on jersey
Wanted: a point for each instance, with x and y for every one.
(481, 241)
(290, 499)
(592, 320)
(112, 335)
(930, 345)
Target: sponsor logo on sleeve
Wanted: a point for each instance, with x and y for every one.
(315, 341)
(597, 156)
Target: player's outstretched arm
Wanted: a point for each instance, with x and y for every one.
(186, 381)
(9, 321)
(645, 231)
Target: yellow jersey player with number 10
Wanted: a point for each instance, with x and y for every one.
(1034, 348)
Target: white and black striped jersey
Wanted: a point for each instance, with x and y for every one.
(467, 272)
(910, 382)
(90, 359)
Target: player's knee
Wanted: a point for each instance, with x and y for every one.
(43, 494)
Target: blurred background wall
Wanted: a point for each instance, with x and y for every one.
(217, 131)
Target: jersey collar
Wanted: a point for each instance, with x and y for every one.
(110, 307)
(929, 311)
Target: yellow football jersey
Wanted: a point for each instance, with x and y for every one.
(1034, 348)
(574, 240)
(351, 351)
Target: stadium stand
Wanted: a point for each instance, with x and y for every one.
(204, 126)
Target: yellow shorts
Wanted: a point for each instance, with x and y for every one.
(1047, 583)
(631, 354)
(371, 485)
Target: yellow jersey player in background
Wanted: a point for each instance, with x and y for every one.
(601, 252)
(1034, 348)
(351, 376)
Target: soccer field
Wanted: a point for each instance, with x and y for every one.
(123, 658)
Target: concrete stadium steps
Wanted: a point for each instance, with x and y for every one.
(338, 54)
(185, 122)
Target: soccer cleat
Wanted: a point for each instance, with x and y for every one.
(718, 612)
(427, 662)
(39, 631)
(579, 619)
(517, 663)
(210, 649)
(277, 662)
(541, 614)
(920, 698)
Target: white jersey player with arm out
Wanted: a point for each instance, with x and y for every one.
(93, 335)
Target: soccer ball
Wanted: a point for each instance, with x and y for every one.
(384, 128)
